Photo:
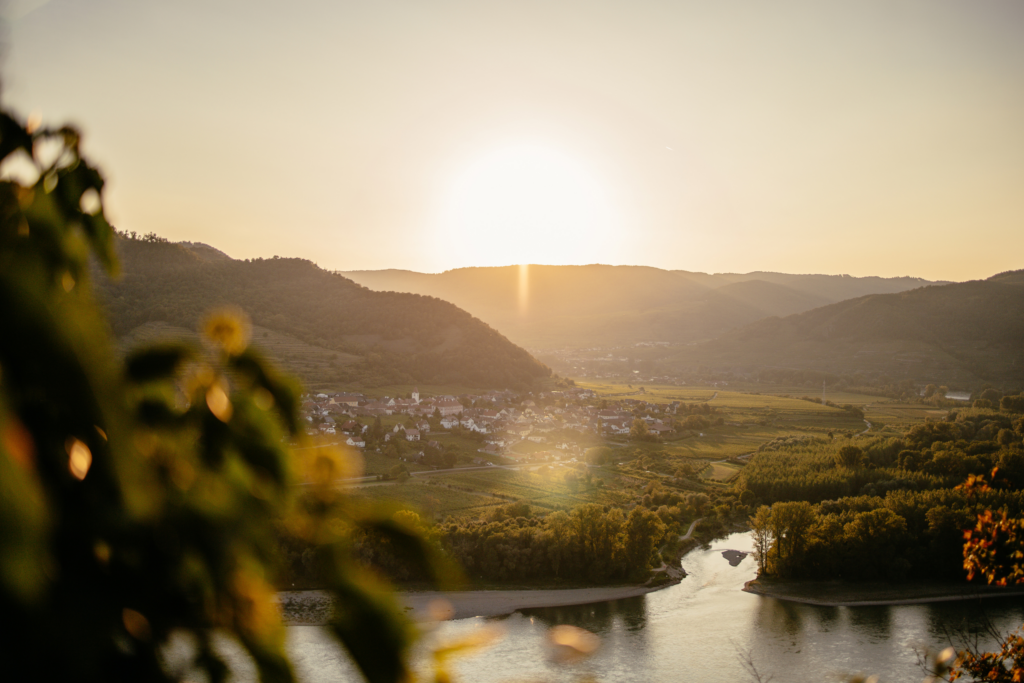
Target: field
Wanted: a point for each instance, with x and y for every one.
(655, 393)
(529, 447)
(471, 493)
(428, 497)
(766, 409)
(721, 442)
(720, 472)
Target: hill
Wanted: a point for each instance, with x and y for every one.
(964, 333)
(599, 305)
(325, 328)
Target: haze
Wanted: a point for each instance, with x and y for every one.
(870, 138)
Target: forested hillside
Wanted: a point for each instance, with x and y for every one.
(548, 307)
(365, 338)
(964, 334)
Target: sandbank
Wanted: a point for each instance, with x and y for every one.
(314, 607)
(843, 594)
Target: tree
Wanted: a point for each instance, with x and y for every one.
(994, 549)
(789, 524)
(1012, 404)
(643, 530)
(849, 457)
(991, 395)
(140, 497)
(761, 530)
(638, 430)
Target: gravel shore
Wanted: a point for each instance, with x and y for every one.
(315, 608)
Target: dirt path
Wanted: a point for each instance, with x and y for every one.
(684, 537)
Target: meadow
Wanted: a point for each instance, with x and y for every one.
(474, 493)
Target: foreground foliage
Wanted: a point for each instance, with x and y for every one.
(139, 498)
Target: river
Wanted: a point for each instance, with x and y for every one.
(702, 629)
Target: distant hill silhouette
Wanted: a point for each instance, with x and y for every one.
(962, 333)
(598, 305)
(326, 327)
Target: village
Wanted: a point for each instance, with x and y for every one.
(501, 427)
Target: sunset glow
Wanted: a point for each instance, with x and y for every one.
(526, 204)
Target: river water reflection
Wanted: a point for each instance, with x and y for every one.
(702, 630)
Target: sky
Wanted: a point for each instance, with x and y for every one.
(867, 137)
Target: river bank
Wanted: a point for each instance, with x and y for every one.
(843, 594)
(314, 607)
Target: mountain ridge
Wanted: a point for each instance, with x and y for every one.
(398, 338)
(969, 332)
(603, 305)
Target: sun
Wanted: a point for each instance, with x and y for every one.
(526, 203)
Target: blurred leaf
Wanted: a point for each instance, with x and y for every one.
(156, 362)
(284, 391)
(412, 544)
(13, 136)
(369, 624)
(156, 413)
(24, 520)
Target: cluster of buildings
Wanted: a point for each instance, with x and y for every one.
(502, 419)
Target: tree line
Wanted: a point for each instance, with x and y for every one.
(590, 543)
(882, 508)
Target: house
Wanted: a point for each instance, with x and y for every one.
(350, 400)
(379, 408)
(618, 426)
(423, 426)
(448, 406)
(404, 405)
(658, 428)
(356, 441)
(412, 435)
(339, 408)
(449, 422)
